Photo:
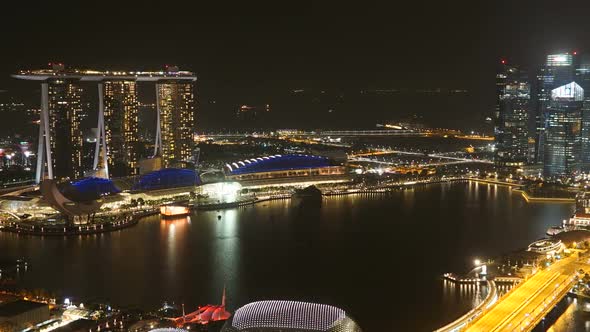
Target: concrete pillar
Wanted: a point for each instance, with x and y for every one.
(40, 152)
(45, 115)
(158, 143)
(98, 127)
(101, 139)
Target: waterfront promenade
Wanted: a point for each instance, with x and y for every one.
(132, 215)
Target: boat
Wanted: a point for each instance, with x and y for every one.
(174, 210)
(578, 221)
(554, 230)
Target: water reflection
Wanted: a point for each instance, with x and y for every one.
(226, 255)
(575, 318)
(365, 253)
(173, 233)
(461, 297)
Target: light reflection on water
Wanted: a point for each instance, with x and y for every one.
(380, 257)
(576, 318)
(470, 294)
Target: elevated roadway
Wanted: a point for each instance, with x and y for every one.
(526, 305)
(365, 157)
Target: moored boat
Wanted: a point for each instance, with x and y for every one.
(174, 210)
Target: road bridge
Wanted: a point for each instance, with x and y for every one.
(528, 303)
(363, 157)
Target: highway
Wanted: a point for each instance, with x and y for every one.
(352, 133)
(442, 163)
(523, 307)
(456, 160)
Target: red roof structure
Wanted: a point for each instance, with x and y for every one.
(204, 315)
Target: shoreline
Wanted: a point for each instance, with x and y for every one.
(134, 220)
(533, 199)
(76, 230)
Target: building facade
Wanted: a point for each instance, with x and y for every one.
(563, 131)
(20, 314)
(65, 109)
(59, 151)
(176, 103)
(585, 135)
(285, 169)
(559, 69)
(121, 126)
(511, 117)
(274, 316)
(583, 79)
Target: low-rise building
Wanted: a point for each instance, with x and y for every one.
(20, 314)
(286, 168)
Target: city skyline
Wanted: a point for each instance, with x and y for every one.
(60, 140)
(405, 166)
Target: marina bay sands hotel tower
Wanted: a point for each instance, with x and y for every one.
(59, 154)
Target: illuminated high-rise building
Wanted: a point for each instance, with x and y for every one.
(176, 106)
(559, 69)
(65, 135)
(563, 131)
(121, 126)
(116, 137)
(511, 117)
(583, 79)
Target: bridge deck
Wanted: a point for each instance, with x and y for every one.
(521, 309)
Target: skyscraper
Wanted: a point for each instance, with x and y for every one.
(512, 114)
(59, 149)
(559, 69)
(121, 126)
(65, 108)
(176, 104)
(563, 130)
(583, 79)
(585, 136)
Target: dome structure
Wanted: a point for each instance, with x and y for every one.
(276, 163)
(88, 189)
(292, 316)
(167, 178)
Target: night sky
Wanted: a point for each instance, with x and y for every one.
(255, 54)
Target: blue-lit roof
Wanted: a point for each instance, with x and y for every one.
(89, 189)
(167, 178)
(276, 163)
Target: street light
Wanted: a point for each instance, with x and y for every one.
(477, 262)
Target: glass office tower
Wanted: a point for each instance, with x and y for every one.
(563, 131)
(559, 69)
(511, 117)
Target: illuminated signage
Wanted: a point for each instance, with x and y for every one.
(568, 91)
(556, 60)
